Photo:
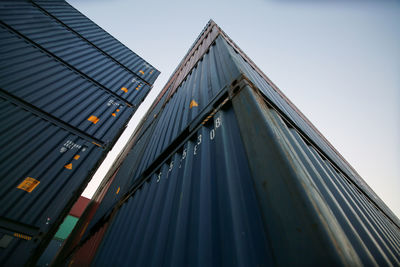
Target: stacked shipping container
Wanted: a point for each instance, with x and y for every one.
(63, 232)
(225, 170)
(67, 91)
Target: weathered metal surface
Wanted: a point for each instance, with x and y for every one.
(83, 26)
(312, 211)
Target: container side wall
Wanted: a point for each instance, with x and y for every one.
(198, 208)
(56, 40)
(79, 23)
(52, 87)
(309, 206)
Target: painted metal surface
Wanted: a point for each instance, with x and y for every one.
(79, 206)
(198, 208)
(79, 23)
(280, 101)
(58, 41)
(202, 87)
(56, 167)
(52, 87)
(183, 186)
(217, 198)
(312, 211)
(66, 227)
(65, 98)
(50, 252)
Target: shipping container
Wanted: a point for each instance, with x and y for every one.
(67, 92)
(43, 169)
(79, 207)
(234, 174)
(77, 22)
(59, 41)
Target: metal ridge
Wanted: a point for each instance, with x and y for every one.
(91, 43)
(65, 63)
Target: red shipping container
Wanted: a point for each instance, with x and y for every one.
(79, 207)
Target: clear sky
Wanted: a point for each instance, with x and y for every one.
(338, 61)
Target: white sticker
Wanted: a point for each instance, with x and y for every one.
(69, 145)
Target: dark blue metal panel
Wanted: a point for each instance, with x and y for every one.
(196, 187)
(57, 90)
(312, 211)
(43, 168)
(79, 23)
(50, 252)
(56, 40)
(199, 208)
(281, 102)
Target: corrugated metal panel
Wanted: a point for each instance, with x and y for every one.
(304, 190)
(122, 181)
(196, 95)
(56, 40)
(50, 252)
(202, 85)
(313, 210)
(214, 190)
(283, 104)
(52, 175)
(85, 254)
(100, 38)
(57, 90)
(199, 208)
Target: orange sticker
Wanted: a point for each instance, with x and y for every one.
(76, 157)
(193, 104)
(141, 72)
(93, 119)
(124, 89)
(28, 184)
(117, 110)
(113, 114)
(68, 166)
(118, 190)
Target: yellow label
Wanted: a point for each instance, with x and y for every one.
(93, 119)
(193, 104)
(26, 237)
(76, 157)
(28, 184)
(124, 89)
(119, 188)
(141, 72)
(68, 166)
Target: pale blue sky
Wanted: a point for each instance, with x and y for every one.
(338, 61)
